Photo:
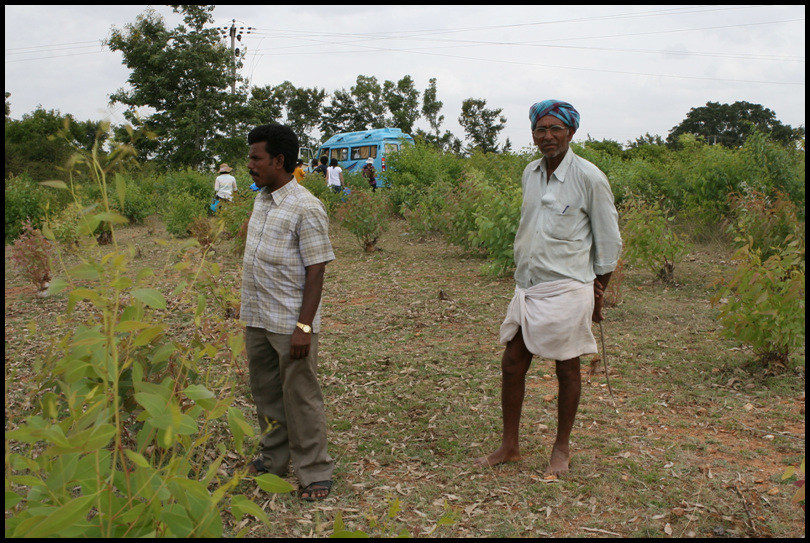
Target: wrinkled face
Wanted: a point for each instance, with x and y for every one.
(552, 136)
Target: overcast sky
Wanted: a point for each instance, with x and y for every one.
(629, 70)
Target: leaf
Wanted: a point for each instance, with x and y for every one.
(12, 499)
(110, 217)
(270, 482)
(201, 395)
(55, 183)
(241, 506)
(137, 459)
(148, 335)
(120, 188)
(150, 297)
(66, 515)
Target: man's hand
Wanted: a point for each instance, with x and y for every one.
(299, 344)
(598, 298)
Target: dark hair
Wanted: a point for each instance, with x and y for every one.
(278, 140)
(324, 160)
(333, 162)
(314, 162)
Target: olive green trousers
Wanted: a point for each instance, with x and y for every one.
(289, 406)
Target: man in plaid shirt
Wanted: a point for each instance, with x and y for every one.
(286, 253)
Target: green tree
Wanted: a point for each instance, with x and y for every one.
(341, 115)
(185, 76)
(431, 106)
(298, 108)
(481, 125)
(731, 124)
(402, 100)
(32, 145)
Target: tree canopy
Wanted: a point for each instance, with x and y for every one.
(182, 74)
(731, 124)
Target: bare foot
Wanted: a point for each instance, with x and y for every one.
(560, 457)
(498, 457)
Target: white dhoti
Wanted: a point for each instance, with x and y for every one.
(555, 319)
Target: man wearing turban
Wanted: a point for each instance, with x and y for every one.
(566, 247)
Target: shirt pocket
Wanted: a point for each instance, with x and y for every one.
(278, 244)
(561, 220)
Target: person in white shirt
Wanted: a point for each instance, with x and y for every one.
(225, 183)
(334, 176)
(566, 247)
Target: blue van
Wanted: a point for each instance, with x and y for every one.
(353, 149)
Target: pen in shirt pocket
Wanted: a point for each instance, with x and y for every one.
(564, 210)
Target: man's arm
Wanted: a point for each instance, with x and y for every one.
(313, 286)
(599, 286)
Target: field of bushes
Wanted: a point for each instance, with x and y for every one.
(128, 412)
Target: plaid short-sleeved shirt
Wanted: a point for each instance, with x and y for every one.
(288, 230)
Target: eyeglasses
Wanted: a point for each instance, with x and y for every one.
(556, 130)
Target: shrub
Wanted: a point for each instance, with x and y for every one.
(767, 222)
(649, 241)
(31, 256)
(762, 303)
(25, 200)
(66, 224)
(316, 184)
(121, 442)
(497, 220)
(413, 169)
(234, 213)
(182, 210)
(428, 215)
(139, 200)
(365, 215)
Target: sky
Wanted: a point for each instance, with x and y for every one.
(628, 69)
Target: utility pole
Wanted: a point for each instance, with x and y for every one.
(235, 34)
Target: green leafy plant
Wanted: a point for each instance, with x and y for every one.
(497, 219)
(365, 215)
(649, 239)
(119, 446)
(183, 210)
(767, 221)
(762, 302)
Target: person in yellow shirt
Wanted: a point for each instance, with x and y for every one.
(299, 170)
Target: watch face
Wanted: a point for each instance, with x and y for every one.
(305, 327)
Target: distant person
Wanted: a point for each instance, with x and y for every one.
(322, 166)
(334, 176)
(286, 253)
(225, 183)
(566, 247)
(313, 166)
(369, 173)
(299, 170)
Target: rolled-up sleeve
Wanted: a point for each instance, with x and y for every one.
(313, 236)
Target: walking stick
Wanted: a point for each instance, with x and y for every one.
(604, 359)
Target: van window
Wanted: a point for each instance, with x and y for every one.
(365, 151)
(391, 148)
(341, 153)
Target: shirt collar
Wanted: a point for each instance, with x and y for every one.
(278, 195)
(561, 170)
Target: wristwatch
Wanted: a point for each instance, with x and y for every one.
(307, 329)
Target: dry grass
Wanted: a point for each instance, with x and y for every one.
(410, 372)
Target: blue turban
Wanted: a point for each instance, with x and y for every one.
(562, 110)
